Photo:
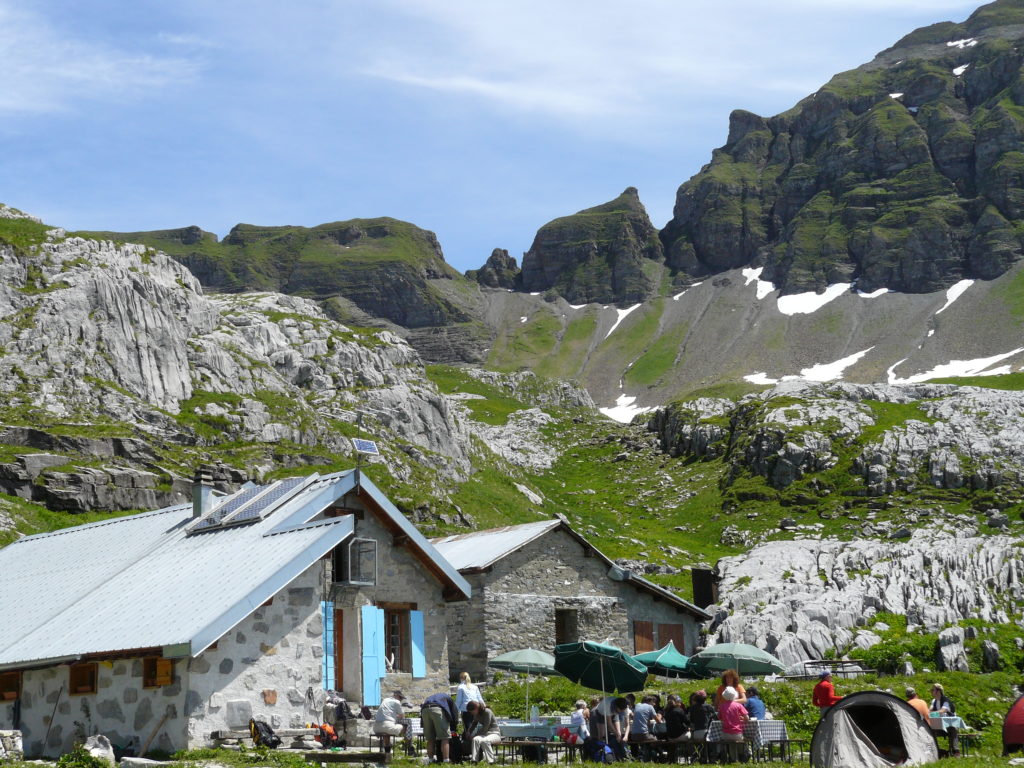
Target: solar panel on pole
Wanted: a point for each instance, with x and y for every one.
(368, 447)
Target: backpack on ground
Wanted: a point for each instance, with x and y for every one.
(534, 752)
(597, 751)
(263, 735)
(327, 736)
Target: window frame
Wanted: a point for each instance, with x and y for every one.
(343, 559)
(10, 685)
(157, 672)
(83, 678)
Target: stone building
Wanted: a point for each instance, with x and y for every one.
(541, 584)
(168, 625)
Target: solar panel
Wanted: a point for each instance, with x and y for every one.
(255, 509)
(365, 446)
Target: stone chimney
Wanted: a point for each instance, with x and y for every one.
(202, 491)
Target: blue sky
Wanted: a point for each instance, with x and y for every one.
(478, 119)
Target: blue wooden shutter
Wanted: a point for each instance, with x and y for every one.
(419, 646)
(327, 667)
(373, 653)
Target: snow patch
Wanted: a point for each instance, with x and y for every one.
(954, 293)
(522, 319)
(623, 313)
(977, 367)
(763, 286)
(829, 371)
(967, 42)
(623, 411)
(931, 332)
(577, 306)
(895, 95)
(874, 294)
(535, 293)
(820, 372)
(806, 303)
(960, 70)
(692, 285)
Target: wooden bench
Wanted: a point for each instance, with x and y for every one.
(297, 735)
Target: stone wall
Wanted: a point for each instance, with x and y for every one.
(267, 667)
(514, 605)
(121, 709)
(401, 578)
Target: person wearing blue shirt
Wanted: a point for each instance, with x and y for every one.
(755, 706)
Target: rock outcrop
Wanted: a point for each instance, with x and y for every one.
(596, 255)
(903, 174)
(499, 271)
(806, 598)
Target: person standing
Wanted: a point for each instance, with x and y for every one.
(468, 691)
(484, 732)
(946, 708)
(731, 678)
(611, 712)
(581, 719)
(440, 720)
(824, 694)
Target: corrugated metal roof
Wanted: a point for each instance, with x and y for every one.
(469, 551)
(141, 581)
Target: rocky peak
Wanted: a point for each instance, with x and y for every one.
(902, 174)
(499, 271)
(595, 255)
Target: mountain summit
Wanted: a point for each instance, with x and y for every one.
(905, 173)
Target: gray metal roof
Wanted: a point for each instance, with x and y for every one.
(473, 551)
(479, 550)
(142, 581)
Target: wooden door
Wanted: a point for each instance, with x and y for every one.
(339, 650)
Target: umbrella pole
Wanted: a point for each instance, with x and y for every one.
(528, 718)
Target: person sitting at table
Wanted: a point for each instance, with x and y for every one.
(917, 703)
(390, 721)
(641, 730)
(824, 694)
(677, 725)
(580, 717)
(701, 715)
(946, 708)
(731, 678)
(733, 716)
(754, 705)
(484, 732)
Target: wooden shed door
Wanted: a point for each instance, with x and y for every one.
(643, 636)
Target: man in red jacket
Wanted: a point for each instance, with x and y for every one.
(824, 695)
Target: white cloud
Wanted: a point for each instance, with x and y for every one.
(45, 70)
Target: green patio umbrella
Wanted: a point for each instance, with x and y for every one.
(745, 659)
(529, 661)
(666, 662)
(602, 667)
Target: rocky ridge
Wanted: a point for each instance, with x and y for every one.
(804, 599)
(901, 174)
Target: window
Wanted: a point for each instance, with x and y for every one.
(356, 562)
(643, 636)
(396, 639)
(566, 625)
(157, 672)
(82, 678)
(10, 685)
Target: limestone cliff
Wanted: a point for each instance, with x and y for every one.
(596, 255)
(903, 174)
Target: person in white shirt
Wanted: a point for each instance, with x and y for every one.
(467, 692)
(390, 720)
(581, 719)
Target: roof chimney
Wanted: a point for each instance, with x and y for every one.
(202, 491)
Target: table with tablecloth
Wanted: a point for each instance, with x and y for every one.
(942, 722)
(760, 735)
